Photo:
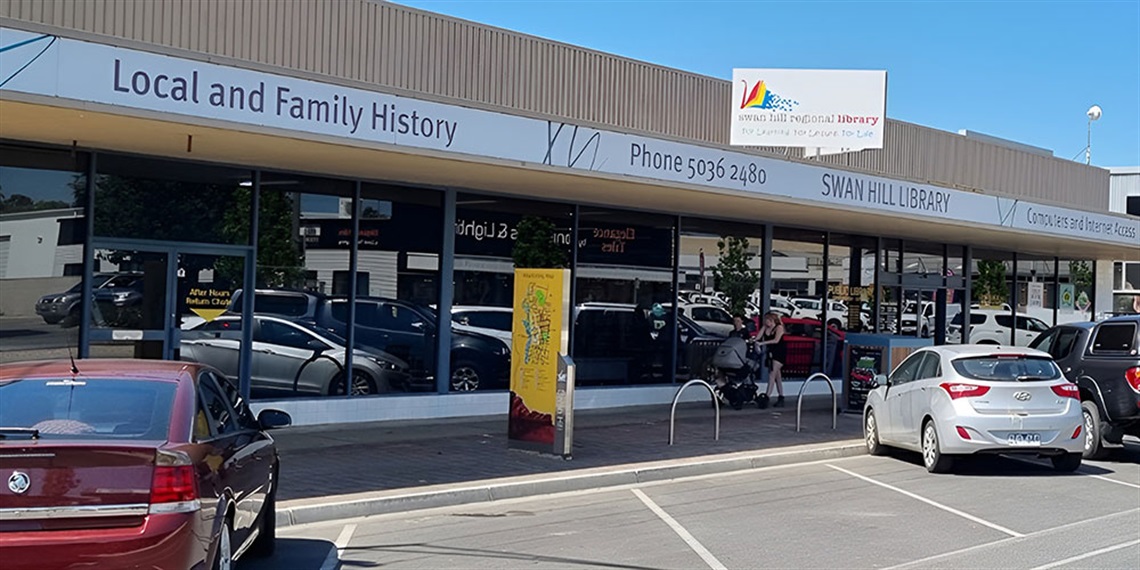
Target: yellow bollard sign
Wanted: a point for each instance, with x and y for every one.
(539, 344)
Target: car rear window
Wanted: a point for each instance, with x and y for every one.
(975, 319)
(284, 305)
(1115, 338)
(1007, 368)
(88, 408)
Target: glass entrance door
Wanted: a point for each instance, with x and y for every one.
(146, 296)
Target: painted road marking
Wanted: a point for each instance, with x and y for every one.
(936, 504)
(1078, 558)
(332, 561)
(1103, 478)
(1011, 540)
(681, 532)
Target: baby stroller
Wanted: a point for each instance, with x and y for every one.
(737, 367)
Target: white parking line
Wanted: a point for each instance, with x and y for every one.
(922, 562)
(332, 561)
(1103, 478)
(681, 532)
(1104, 550)
(935, 504)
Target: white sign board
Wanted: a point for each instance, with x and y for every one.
(1036, 295)
(808, 108)
(127, 79)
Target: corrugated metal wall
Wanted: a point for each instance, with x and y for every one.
(395, 47)
(1123, 185)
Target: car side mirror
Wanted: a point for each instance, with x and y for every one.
(880, 380)
(273, 419)
(317, 346)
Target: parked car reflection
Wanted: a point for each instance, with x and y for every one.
(291, 357)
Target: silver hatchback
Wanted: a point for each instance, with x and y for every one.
(953, 400)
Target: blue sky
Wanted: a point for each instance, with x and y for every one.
(1024, 71)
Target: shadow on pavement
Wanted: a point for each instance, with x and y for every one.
(293, 554)
(17, 333)
(1003, 466)
(438, 550)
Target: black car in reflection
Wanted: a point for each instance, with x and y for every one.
(617, 343)
(292, 357)
(399, 328)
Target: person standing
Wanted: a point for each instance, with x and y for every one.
(772, 337)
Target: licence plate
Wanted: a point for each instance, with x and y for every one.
(1024, 439)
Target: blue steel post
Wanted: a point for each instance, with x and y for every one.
(353, 252)
(765, 284)
(249, 287)
(826, 304)
(673, 358)
(88, 261)
(1013, 304)
(1056, 288)
(968, 293)
(877, 298)
(446, 294)
(573, 278)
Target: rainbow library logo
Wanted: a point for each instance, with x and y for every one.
(762, 98)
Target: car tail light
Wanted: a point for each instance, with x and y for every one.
(174, 486)
(962, 433)
(1076, 432)
(964, 390)
(1067, 391)
(1132, 376)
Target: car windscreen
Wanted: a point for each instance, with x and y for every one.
(87, 408)
(975, 319)
(1007, 368)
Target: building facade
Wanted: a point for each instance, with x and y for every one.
(368, 170)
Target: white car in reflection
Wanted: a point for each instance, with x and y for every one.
(491, 321)
(292, 357)
(953, 400)
(992, 326)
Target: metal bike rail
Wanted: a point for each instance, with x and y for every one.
(834, 400)
(677, 397)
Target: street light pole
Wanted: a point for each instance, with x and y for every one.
(1093, 113)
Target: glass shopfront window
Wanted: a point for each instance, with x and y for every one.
(1077, 280)
(397, 287)
(493, 235)
(42, 230)
(800, 275)
(623, 331)
(720, 269)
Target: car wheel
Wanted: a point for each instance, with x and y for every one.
(925, 332)
(932, 457)
(72, 318)
(1093, 447)
(1066, 463)
(362, 384)
(266, 540)
(465, 377)
(224, 557)
(871, 434)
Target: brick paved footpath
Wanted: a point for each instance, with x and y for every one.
(350, 458)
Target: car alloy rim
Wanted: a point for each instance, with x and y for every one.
(928, 445)
(1088, 431)
(225, 560)
(464, 379)
(360, 385)
(871, 430)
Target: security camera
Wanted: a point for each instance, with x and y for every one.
(1094, 112)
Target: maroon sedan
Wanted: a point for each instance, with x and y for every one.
(131, 464)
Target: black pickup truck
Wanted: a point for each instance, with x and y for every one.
(1103, 359)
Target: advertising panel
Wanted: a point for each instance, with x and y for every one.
(863, 364)
(834, 109)
(540, 339)
(1036, 295)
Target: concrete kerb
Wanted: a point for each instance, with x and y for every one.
(321, 509)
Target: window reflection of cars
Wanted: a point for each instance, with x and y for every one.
(292, 357)
(63, 308)
(404, 330)
(617, 343)
(491, 321)
(712, 318)
(992, 326)
(803, 338)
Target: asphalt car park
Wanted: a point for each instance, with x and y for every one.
(861, 512)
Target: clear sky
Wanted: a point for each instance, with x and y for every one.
(1024, 71)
